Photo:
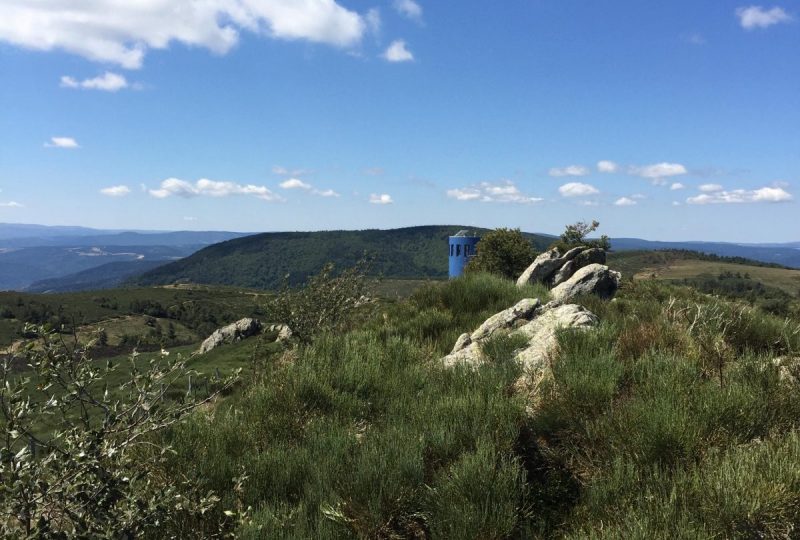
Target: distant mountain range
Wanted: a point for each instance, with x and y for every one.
(32, 253)
(50, 259)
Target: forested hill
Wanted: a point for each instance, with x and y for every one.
(263, 260)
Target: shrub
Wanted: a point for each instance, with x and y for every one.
(81, 459)
(505, 252)
(575, 235)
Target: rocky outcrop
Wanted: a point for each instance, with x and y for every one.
(553, 268)
(540, 329)
(522, 310)
(232, 333)
(542, 333)
(595, 279)
(581, 260)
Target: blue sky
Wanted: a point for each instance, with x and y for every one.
(663, 120)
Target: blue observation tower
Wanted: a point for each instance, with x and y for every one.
(462, 249)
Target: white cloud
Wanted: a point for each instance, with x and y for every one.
(758, 17)
(283, 171)
(121, 32)
(571, 170)
(11, 204)
(625, 201)
(408, 8)
(380, 199)
(373, 20)
(116, 191)
(676, 186)
(504, 191)
(62, 142)
(294, 183)
(397, 52)
(325, 193)
(109, 82)
(374, 171)
(577, 189)
(658, 172)
(709, 188)
(765, 194)
(606, 166)
(204, 187)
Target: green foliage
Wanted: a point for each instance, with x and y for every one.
(575, 235)
(100, 471)
(263, 260)
(504, 252)
(328, 302)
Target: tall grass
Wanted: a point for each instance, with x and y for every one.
(365, 435)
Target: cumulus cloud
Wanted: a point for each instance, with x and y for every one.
(11, 204)
(606, 166)
(709, 188)
(295, 183)
(577, 189)
(397, 52)
(108, 82)
(62, 142)
(204, 187)
(408, 8)
(676, 186)
(758, 17)
(122, 32)
(503, 192)
(765, 194)
(570, 170)
(625, 201)
(382, 198)
(658, 172)
(116, 191)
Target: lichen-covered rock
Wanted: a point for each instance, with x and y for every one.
(524, 309)
(585, 257)
(541, 268)
(471, 355)
(241, 329)
(542, 332)
(595, 279)
(462, 341)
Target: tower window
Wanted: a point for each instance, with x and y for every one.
(458, 250)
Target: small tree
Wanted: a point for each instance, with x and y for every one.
(504, 252)
(326, 303)
(575, 235)
(81, 459)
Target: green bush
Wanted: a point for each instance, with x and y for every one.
(504, 252)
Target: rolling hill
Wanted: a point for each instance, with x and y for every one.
(784, 254)
(264, 260)
(107, 276)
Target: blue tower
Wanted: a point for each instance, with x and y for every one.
(462, 249)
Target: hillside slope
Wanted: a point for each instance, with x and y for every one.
(263, 260)
(106, 276)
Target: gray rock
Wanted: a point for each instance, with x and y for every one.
(524, 309)
(542, 268)
(592, 279)
(585, 257)
(542, 333)
(463, 341)
(471, 355)
(232, 333)
(283, 330)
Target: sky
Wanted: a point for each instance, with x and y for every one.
(671, 120)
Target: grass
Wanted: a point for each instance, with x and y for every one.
(670, 419)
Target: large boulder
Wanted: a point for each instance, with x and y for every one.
(232, 333)
(595, 279)
(582, 259)
(541, 268)
(524, 309)
(546, 265)
(542, 333)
